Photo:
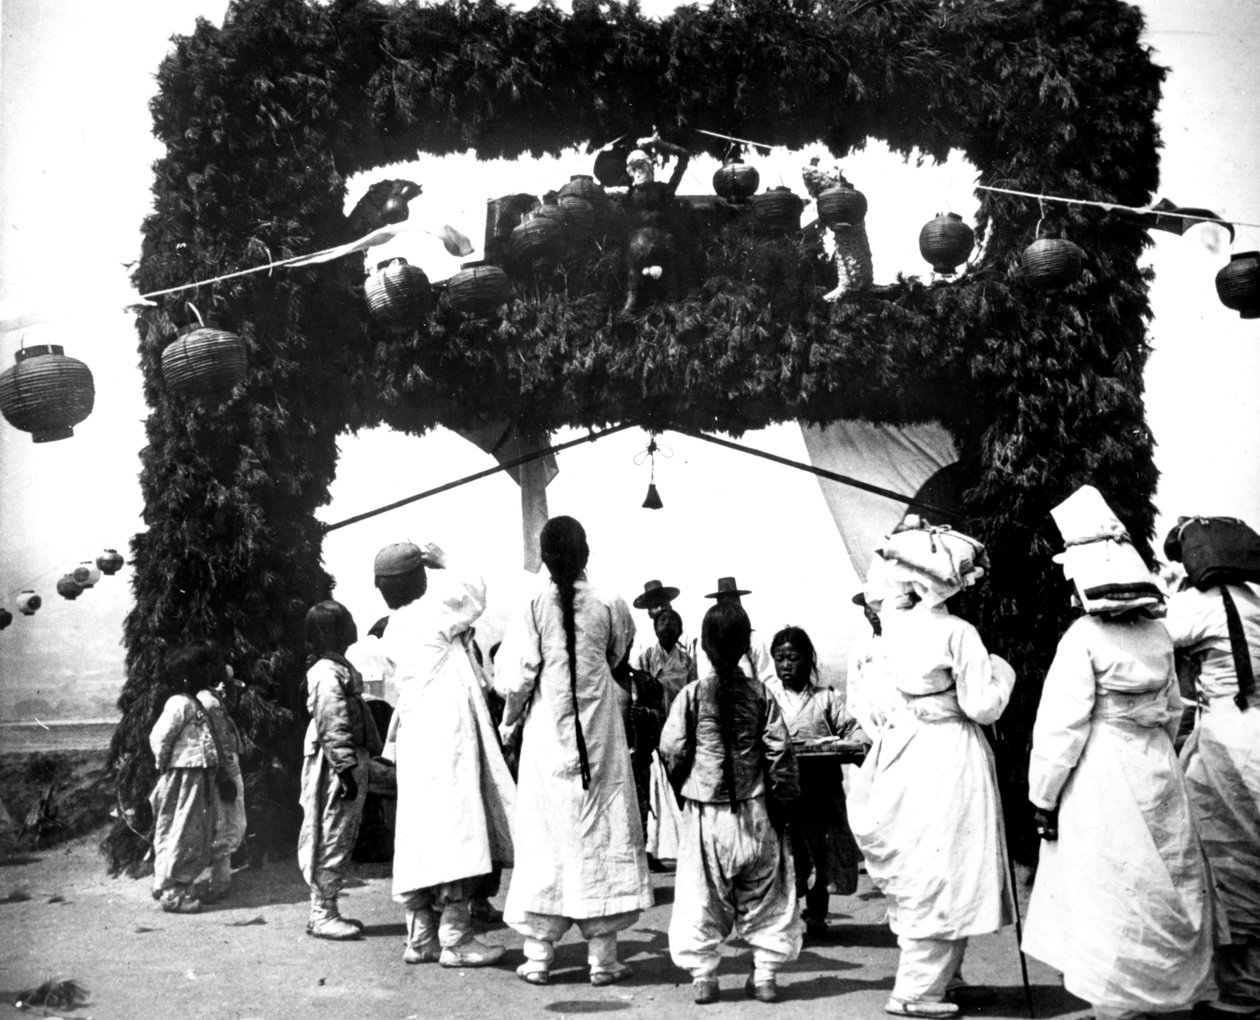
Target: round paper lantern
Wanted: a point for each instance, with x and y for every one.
(1238, 284)
(87, 574)
(46, 393)
(398, 293)
(777, 211)
(110, 562)
(736, 181)
(28, 602)
(946, 242)
(584, 186)
(478, 289)
(6, 618)
(581, 215)
(841, 205)
(538, 242)
(204, 363)
(69, 588)
(1050, 263)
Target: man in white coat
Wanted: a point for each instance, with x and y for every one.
(454, 800)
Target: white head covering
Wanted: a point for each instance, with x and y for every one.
(936, 562)
(1099, 558)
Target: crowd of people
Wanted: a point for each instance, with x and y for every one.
(582, 762)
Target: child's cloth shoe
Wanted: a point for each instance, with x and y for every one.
(173, 901)
(425, 952)
(763, 991)
(609, 974)
(472, 952)
(534, 972)
(920, 1007)
(705, 991)
(337, 929)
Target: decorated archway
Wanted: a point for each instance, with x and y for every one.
(264, 119)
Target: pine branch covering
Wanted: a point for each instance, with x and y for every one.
(264, 119)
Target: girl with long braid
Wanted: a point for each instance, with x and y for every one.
(728, 752)
(579, 841)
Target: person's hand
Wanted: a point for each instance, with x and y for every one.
(1047, 823)
(431, 555)
(348, 789)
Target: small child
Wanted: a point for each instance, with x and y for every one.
(229, 807)
(821, 839)
(729, 754)
(183, 800)
(340, 742)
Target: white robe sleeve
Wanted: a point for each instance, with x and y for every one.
(982, 691)
(621, 634)
(1062, 725)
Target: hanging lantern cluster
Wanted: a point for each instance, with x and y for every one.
(46, 393)
(69, 586)
(204, 363)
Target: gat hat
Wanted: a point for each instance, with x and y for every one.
(727, 586)
(398, 559)
(655, 594)
(1099, 558)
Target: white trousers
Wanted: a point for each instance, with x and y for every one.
(926, 968)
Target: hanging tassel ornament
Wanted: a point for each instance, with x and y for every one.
(653, 499)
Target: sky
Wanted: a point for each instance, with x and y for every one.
(74, 186)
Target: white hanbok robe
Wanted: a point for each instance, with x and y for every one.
(579, 853)
(455, 793)
(1121, 904)
(924, 806)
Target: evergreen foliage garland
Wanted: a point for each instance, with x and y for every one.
(265, 118)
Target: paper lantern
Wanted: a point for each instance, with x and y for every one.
(1238, 284)
(777, 211)
(69, 588)
(6, 618)
(86, 574)
(204, 363)
(946, 242)
(581, 215)
(585, 186)
(538, 242)
(28, 602)
(398, 293)
(841, 204)
(110, 562)
(46, 393)
(1051, 263)
(735, 180)
(478, 289)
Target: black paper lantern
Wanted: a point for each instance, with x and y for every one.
(735, 180)
(946, 242)
(1051, 263)
(46, 393)
(841, 205)
(110, 562)
(6, 618)
(777, 211)
(478, 289)
(69, 588)
(1238, 284)
(398, 293)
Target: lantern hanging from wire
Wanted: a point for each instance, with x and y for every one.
(946, 242)
(398, 293)
(110, 562)
(46, 393)
(203, 362)
(479, 289)
(735, 180)
(1051, 263)
(28, 602)
(86, 574)
(1238, 284)
(6, 618)
(69, 588)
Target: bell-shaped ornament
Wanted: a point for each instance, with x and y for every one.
(653, 500)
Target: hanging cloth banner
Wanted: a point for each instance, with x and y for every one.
(908, 458)
(506, 442)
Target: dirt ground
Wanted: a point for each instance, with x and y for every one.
(64, 918)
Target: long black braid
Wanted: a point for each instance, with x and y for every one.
(565, 553)
(726, 634)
